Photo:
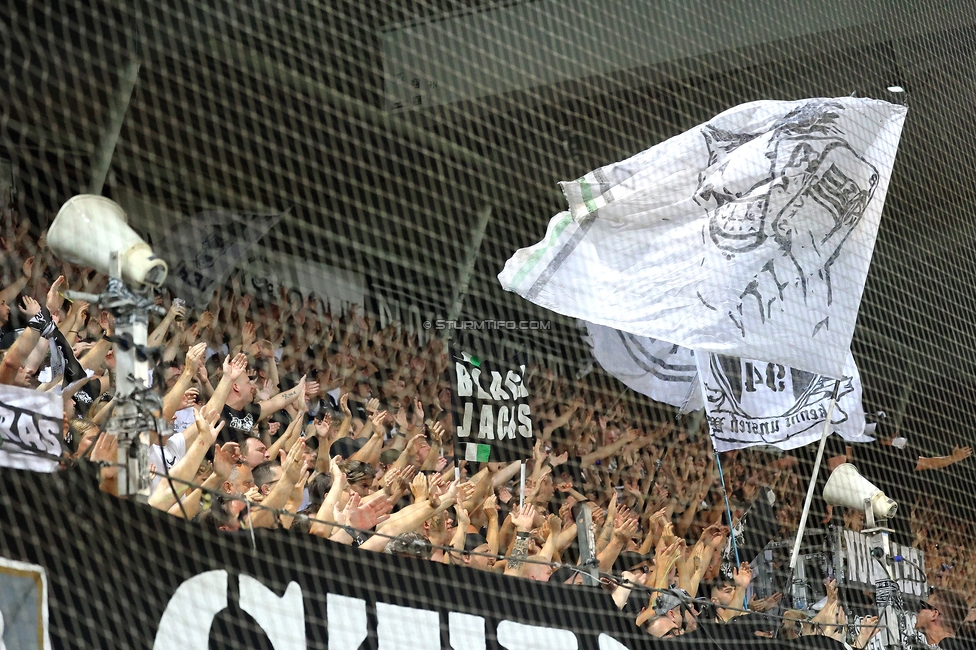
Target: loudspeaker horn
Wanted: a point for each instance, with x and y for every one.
(846, 487)
(89, 228)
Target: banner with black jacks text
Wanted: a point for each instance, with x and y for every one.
(492, 416)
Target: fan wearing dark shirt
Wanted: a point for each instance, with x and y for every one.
(241, 412)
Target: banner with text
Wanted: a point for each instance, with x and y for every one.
(203, 249)
(275, 590)
(492, 418)
(30, 429)
(751, 403)
(285, 592)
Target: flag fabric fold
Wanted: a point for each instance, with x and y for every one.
(749, 235)
(663, 371)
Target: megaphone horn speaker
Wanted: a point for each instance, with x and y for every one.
(846, 487)
(89, 228)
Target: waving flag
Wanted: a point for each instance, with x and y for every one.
(750, 403)
(748, 236)
(663, 371)
(746, 402)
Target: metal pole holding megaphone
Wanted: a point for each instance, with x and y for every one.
(138, 410)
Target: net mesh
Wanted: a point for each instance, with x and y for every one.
(401, 153)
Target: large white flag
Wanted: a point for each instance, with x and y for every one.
(750, 235)
(203, 249)
(746, 402)
(30, 429)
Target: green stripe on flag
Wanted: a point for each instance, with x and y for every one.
(537, 255)
(475, 453)
(587, 194)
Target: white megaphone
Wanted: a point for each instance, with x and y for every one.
(846, 487)
(89, 228)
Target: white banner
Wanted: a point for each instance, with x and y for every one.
(750, 403)
(30, 429)
(663, 371)
(750, 235)
(23, 606)
(203, 249)
(857, 564)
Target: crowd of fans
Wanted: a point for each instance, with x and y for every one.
(331, 426)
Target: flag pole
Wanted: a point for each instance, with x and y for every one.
(728, 510)
(813, 478)
(522, 484)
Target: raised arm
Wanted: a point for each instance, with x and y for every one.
(369, 452)
(939, 462)
(174, 396)
(490, 508)
(39, 324)
(322, 429)
(622, 591)
(413, 517)
(95, 357)
(74, 321)
(522, 519)
(233, 369)
(608, 450)
(562, 420)
(291, 470)
(828, 614)
(625, 528)
(552, 540)
(361, 516)
(460, 534)
(325, 512)
(186, 468)
(287, 440)
(158, 335)
(742, 577)
(505, 474)
(270, 406)
(222, 467)
(12, 291)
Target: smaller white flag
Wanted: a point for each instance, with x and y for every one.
(30, 429)
(663, 371)
(749, 403)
